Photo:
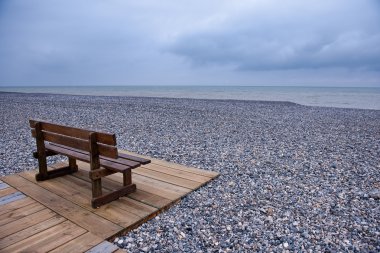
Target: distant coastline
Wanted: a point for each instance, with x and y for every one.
(341, 97)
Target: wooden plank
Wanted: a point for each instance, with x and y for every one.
(104, 150)
(20, 213)
(25, 222)
(104, 247)
(122, 217)
(7, 191)
(120, 159)
(67, 209)
(177, 173)
(15, 205)
(136, 207)
(106, 138)
(150, 199)
(82, 157)
(32, 230)
(48, 239)
(79, 244)
(11, 197)
(135, 158)
(66, 140)
(206, 173)
(167, 178)
(159, 188)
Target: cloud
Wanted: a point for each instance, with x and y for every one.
(243, 42)
(278, 36)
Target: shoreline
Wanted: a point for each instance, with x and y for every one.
(338, 97)
(189, 98)
(292, 177)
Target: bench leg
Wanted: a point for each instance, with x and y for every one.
(73, 164)
(42, 169)
(128, 187)
(96, 188)
(42, 165)
(127, 178)
(58, 172)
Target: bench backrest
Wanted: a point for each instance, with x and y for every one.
(76, 138)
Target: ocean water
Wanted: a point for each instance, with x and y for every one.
(343, 97)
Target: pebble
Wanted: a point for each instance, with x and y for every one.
(375, 194)
(293, 178)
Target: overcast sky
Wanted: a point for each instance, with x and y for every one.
(197, 42)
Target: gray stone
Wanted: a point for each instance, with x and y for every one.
(289, 173)
(375, 194)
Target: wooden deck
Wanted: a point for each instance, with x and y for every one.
(56, 215)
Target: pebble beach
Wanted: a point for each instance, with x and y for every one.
(292, 177)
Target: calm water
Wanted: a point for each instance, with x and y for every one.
(364, 98)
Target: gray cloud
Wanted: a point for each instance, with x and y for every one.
(117, 42)
(310, 35)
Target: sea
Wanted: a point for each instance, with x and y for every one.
(342, 97)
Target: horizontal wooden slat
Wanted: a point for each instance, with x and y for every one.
(187, 183)
(134, 158)
(120, 159)
(86, 158)
(177, 173)
(105, 138)
(66, 140)
(104, 150)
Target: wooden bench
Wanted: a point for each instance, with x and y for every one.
(97, 148)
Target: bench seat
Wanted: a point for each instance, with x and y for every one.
(120, 164)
